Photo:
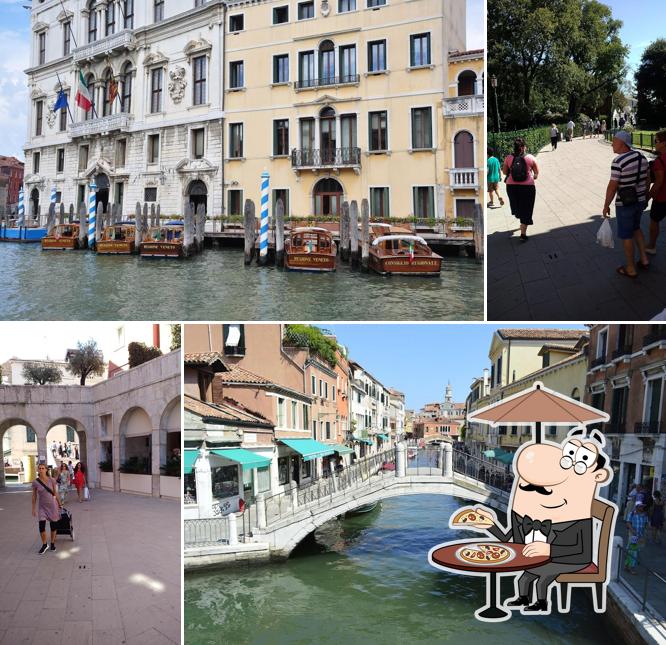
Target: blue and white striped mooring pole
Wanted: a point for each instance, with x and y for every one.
(263, 231)
(21, 212)
(53, 194)
(92, 214)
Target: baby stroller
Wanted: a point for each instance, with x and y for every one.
(65, 525)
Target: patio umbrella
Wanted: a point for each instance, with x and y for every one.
(538, 405)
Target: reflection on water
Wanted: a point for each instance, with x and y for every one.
(366, 579)
(215, 285)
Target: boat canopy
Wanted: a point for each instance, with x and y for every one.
(407, 238)
(308, 448)
(174, 223)
(245, 458)
(308, 229)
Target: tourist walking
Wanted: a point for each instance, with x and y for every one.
(520, 171)
(63, 482)
(657, 517)
(636, 528)
(657, 191)
(570, 130)
(79, 480)
(631, 501)
(554, 136)
(628, 185)
(493, 179)
(603, 128)
(45, 506)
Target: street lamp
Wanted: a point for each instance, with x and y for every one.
(493, 83)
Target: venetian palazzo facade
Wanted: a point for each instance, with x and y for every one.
(349, 100)
(160, 139)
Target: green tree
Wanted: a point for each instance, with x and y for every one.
(175, 337)
(140, 353)
(650, 85)
(41, 373)
(553, 58)
(86, 360)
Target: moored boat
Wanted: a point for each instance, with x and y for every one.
(403, 254)
(310, 248)
(365, 508)
(118, 239)
(62, 237)
(164, 241)
(378, 229)
(12, 232)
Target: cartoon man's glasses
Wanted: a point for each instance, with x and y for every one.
(578, 457)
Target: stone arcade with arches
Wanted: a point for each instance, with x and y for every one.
(134, 414)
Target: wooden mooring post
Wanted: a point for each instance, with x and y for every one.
(478, 232)
(344, 232)
(189, 232)
(83, 226)
(200, 235)
(279, 233)
(140, 228)
(61, 214)
(365, 235)
(353, 234)
(250, 230)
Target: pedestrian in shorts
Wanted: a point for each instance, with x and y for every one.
(493, 179)
(657, 191)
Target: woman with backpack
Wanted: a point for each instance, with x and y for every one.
(520, 171)
(45, 506)
(657, 191)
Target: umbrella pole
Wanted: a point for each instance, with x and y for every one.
(537, 432)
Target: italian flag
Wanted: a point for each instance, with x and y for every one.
(83, 98)
(411, 252)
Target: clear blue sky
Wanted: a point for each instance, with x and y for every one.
(644, 22)
(420, 359)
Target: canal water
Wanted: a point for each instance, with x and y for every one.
(366, 579)
(37, 285)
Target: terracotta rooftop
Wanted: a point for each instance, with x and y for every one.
(549, 347)
(204, 359)
(239, 375)
(541, 334)
(226, 410)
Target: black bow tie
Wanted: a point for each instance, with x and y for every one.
(529, 524)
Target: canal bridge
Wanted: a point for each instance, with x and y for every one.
(283, 520)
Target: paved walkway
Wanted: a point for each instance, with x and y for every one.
(561, 273)
(118, 582)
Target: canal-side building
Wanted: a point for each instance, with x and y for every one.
(518, 358)
(625, 378)
(11, 169)
(352, 100)
(396, 415)
(370, 412)
(153, 72)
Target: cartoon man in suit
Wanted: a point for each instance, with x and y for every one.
(551, 511)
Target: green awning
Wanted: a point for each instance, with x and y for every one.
(342, 450)
(245, 458)
(490, 454)
(505, 458)
(190, 457)
(383, 437)
(308, 448)
(362, 440)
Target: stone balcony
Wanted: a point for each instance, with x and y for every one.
(115, 122)
(463, 178)
(122, 41)
(327, 158)
(464, 105)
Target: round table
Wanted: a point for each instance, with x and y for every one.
(446, 557)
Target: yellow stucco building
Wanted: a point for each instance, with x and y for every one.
(350, 100)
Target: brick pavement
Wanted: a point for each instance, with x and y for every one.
(118, 582)
(561, 273)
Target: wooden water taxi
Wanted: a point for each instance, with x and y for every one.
(310, 248)
(62, 236)
(378, 229)
(164, 241)
(118, 239)
(403, 254)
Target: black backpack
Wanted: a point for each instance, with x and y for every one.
(519, 168)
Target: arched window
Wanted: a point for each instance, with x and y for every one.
(126, 88)
(326, 62)
(328, 197)
(467, 83)
(575, 395)
(90, 82)
(463, 150)
(92, 21)
(108, 92)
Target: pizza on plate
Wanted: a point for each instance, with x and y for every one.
(484, 553)
(469, 516)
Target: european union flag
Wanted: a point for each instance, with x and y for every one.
(61, 103)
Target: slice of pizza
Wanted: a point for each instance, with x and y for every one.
(469, 516)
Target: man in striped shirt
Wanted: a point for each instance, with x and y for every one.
(628, 184)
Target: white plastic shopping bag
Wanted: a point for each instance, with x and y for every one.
(605, 235)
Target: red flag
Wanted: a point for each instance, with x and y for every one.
(113, 90)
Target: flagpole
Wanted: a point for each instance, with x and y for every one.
(62, 91)
(71, 31)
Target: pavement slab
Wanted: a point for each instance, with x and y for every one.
(561, 273)
(119, 579)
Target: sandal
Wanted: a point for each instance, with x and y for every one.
(623, 271)
(501, 201)
(645, 266)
